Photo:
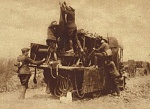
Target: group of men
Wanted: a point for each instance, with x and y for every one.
(103, 56)
(64, 33)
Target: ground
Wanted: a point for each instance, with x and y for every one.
(135, 96)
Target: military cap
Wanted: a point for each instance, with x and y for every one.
(105, 39)
(25, 49)
(80, 31)
(99, 37)
(53, 22)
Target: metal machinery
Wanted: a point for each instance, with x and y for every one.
(75, 72)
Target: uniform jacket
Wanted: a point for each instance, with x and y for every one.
(105, 48)
(26, 60)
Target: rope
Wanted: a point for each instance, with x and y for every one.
(62, 83)
(80, 96)
(51, 71)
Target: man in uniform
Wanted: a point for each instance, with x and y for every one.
(114, 76)
(71, 28)
(102, 51)
(52, 38)
(24, 70)
(52, 32)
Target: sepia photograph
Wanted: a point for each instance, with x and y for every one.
(74, 54)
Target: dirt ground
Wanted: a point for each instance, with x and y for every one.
(135, 96)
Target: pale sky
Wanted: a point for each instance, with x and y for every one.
(25, 21)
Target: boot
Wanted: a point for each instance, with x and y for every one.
(117, 90)
(22, 92)
(116, 83)
(79, 45)
(48, 89)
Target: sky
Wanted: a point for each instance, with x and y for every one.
(25, 21)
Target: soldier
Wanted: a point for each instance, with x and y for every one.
(52, 38)
(52, 32)
(71, 27)
(114, 76)
(102, 51)
(24, 70)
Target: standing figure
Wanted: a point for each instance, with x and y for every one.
(114, 76)
(24, 72)
(62, 32)
(52, 34)
(71, 28)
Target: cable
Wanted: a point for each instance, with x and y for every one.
(80, 96)
(62, 84)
